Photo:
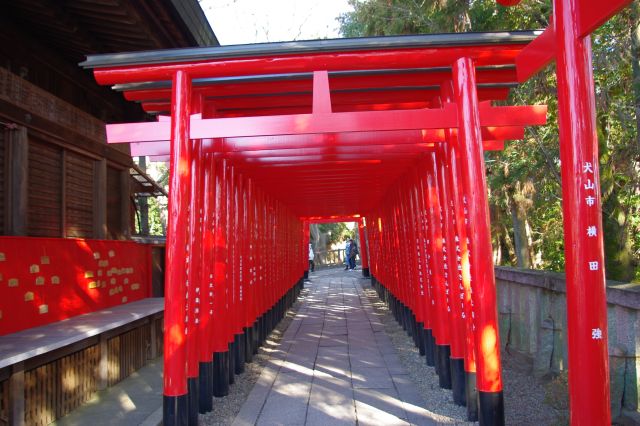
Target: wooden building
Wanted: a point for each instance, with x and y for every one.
(58, 177)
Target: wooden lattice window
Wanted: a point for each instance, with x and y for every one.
(45, 189)
(78, 195)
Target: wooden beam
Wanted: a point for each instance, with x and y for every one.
(16, 395)
(100, 199)
(70, 23)
(63, 192)
(103, 363)
(54, 132)
(18, 166)
(125, 203)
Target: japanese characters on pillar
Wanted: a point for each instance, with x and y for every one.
(193, 264)
(590, 196)
(421, 253)
(582, 218)
(207, 278)
(430, 298)
(436, 254)
(467, 242)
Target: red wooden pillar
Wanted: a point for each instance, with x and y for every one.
(463, 273)
(417, 207)
(192, 260)
(364, 248)
(489, 381)
(205, 329)
(237, 236)
(175, 407)
(249, 295)
(417, 291)
(436, 264)
(220, 290)
(430, 308)
(457, 323)
(304, 261)
(584, 256)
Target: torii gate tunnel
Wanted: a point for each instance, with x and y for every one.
(264, 139)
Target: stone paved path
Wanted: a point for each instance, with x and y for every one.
(335, 365)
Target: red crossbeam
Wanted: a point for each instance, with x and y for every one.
(303, 124)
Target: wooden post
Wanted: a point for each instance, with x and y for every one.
(153, 338)
(103, 363)
(18, 165)
(16, 395)
(100, 199)
(143, 202)
(125, 203)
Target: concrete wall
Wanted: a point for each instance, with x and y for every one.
(532, 311)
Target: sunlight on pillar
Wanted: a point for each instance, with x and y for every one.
(176, 336)
(183, 167)
(488, 346)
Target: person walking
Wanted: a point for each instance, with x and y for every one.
(312, 255)
(353, 252)
(347, 241)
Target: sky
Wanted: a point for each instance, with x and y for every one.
(259, 21)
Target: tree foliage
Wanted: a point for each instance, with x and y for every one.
(524, 179)
(335, 231)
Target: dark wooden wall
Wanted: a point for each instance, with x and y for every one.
(58, 177)
(3, 182)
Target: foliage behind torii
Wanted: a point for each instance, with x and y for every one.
(524, 179)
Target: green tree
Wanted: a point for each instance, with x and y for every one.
(524, 179)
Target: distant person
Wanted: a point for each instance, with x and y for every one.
(353, 252)
(312, 255)
(346, 252)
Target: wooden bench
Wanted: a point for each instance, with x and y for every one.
(46, 372)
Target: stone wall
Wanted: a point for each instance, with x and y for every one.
(532, 311)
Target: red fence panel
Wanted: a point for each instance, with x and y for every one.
(45, 280)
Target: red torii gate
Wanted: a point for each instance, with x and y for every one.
(263, 136)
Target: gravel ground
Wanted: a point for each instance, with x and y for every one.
(524, 395)
(225, 409)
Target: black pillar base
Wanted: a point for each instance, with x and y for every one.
(232, 363)
(193, 400)
(414, 328)
(205, 386)
(471, 397)
(220, 374)
(443, 353)
(239, 353)
(248, 344)
(420, 332)
(491, 408)
(254, 338)
(175, 410)
(365, 272)
(429, 348)
(260, 324)
(458, 380)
